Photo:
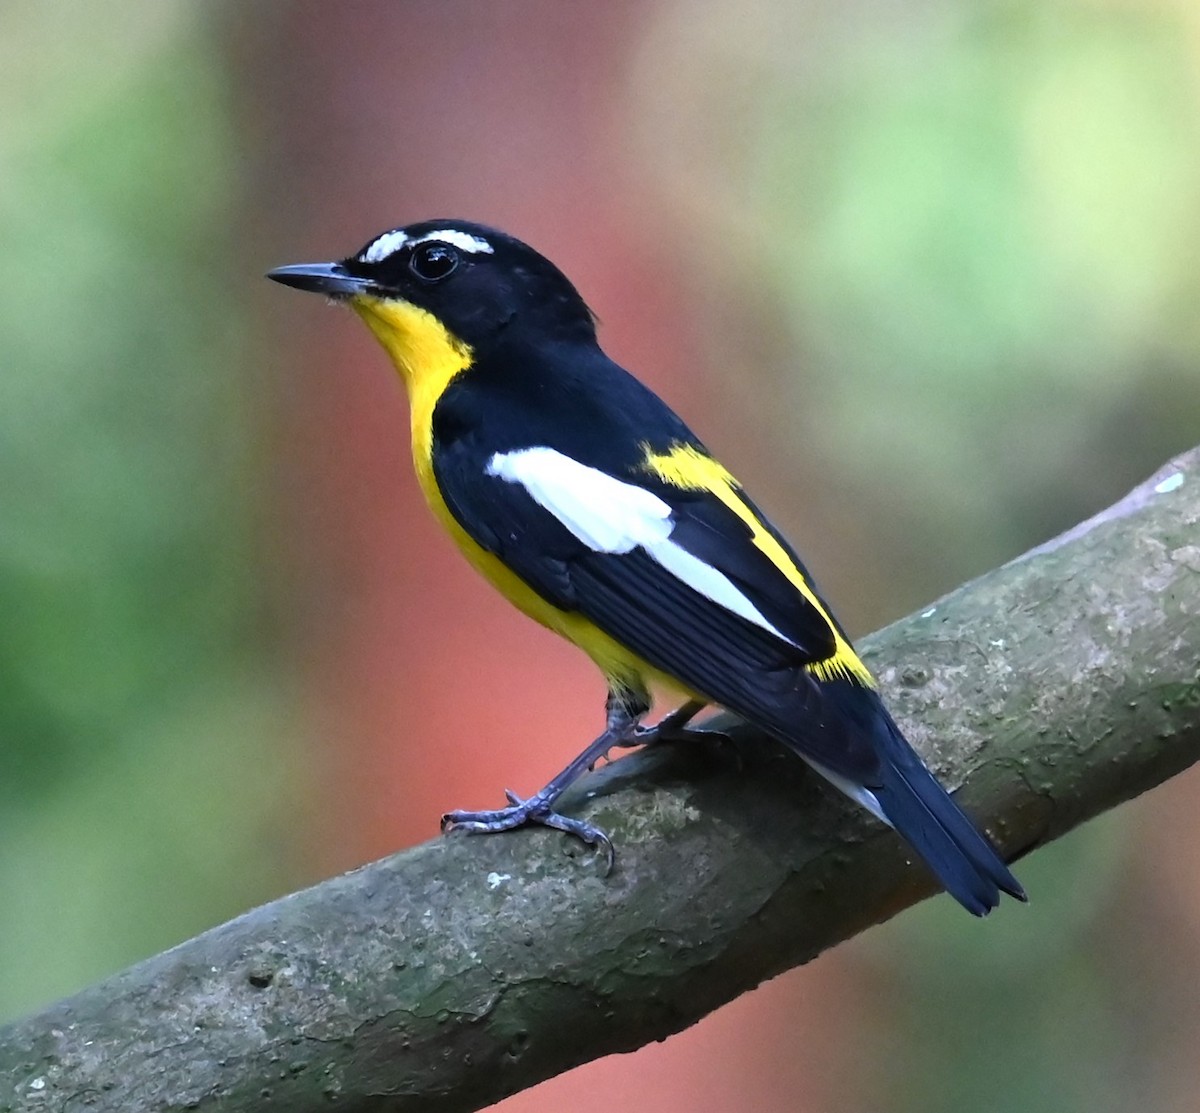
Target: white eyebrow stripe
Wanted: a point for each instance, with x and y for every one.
(464, 241)
(387, 244)
(611, 516)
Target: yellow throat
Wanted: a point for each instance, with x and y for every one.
(425, 353)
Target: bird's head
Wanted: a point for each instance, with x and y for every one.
(436, 292)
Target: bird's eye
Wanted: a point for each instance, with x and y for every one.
(431, 262)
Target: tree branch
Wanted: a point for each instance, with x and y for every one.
(454, 973)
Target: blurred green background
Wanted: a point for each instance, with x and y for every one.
(923, 273)
(142, 760)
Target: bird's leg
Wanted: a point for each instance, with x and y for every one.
(624, 708)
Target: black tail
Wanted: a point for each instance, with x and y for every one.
(959, 854)
(882, 772)
(842, 729)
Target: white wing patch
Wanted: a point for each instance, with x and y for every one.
(608, 516)
(611, 516)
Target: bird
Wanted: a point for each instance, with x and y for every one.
(580, 495)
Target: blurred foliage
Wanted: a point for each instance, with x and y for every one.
(977, 224)
(138, 722)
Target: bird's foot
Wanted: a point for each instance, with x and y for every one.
(676, 727)
(672, 727)
(651, 736)
(536, 810)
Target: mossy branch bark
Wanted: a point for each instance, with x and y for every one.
(452, 974)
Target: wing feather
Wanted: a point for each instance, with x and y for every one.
(602, 547)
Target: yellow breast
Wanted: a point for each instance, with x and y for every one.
(428, 358)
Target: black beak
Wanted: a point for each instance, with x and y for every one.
(330, 279)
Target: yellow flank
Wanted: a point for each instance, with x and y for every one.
(686, 467)
(621, 667)
(428, 358)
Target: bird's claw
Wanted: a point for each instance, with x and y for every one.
(521, 812)
(669, 732)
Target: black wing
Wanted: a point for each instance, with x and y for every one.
(632, 597)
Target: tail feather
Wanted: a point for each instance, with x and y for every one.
(903, 793)
(959, 854)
